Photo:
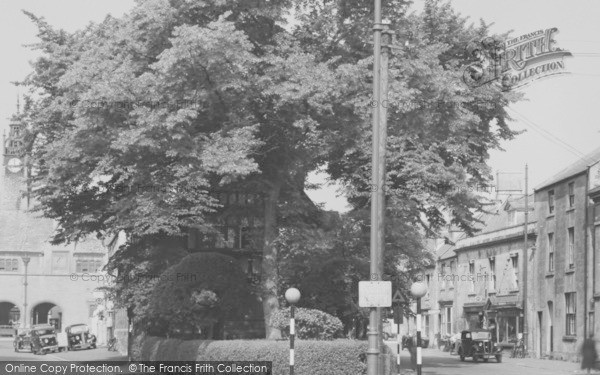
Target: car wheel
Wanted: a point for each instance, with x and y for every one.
(93, 346)
(498, 358)
(475, 358)
(462, 357)
(486, 359)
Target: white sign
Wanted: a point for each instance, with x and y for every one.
(375, 293)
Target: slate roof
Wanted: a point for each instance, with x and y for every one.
(576, 168)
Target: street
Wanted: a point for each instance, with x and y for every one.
(436, 362)
(7, 353)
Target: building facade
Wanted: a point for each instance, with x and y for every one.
(39, 282)
(563, 303)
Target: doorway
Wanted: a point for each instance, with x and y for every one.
(550, 340)
(539, 334)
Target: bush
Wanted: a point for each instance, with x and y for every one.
(199, 291)
(337, 357)
(310, 324)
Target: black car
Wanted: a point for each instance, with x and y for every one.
(478, 345)
(43, 339)
(79, 337)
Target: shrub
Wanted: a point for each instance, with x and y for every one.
(336, 357)
(310, 324)
(202, 289)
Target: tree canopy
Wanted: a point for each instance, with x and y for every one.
(137, 121)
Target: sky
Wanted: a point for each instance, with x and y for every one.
(559, 114)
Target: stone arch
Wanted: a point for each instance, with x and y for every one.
(9, 313)
(46, 312)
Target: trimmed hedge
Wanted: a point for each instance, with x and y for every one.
(311, 324)
(337, 357)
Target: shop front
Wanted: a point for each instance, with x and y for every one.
(504, 320)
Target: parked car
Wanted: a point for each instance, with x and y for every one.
(22, 340)
(478, 345)
(42, 339)
(79, 337)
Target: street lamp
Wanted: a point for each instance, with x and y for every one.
(26, 260)
(292, 295)
(418, 290)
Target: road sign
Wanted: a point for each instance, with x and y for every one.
(398, 297)
(375, 293)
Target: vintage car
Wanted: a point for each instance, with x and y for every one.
(478, 345)
(22, 339)
(43, 339)
(79, 337)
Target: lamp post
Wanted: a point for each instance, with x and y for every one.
(418, 290)
(26, 260)
(292, 295)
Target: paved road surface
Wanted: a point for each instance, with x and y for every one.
(436, 362)
(7, 353)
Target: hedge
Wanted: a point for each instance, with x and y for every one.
(311, 324)
(337, 357)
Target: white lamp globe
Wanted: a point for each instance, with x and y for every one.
(418, 289)
(292, 295)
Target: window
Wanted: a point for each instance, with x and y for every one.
(550, 252)
(570, 314)
(88, 265)
(551, 201)
(515, 266)
(571, 194)
(426, 331)
(9, 264)
(472, 274)
(443, 286)
(492, 284)
(571, 248)
(447, 321)
(452, 273)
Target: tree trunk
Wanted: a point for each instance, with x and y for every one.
(269, 261)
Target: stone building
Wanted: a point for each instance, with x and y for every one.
(40, 282)
(490, 273)
(562, 307)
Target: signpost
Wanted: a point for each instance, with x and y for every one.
(398, 301)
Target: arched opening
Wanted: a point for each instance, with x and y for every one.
(47, 313)
(9, 314)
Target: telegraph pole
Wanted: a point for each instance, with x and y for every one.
(526, 256)
(376, 203)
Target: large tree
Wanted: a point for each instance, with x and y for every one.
(227, 97)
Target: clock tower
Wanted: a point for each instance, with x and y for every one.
(13, 174)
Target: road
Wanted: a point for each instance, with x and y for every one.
(436, 362)
(7, 353)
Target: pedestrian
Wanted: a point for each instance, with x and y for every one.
(588, 353)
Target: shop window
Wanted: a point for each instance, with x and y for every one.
(570, 314)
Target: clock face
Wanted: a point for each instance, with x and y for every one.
(15, 165)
